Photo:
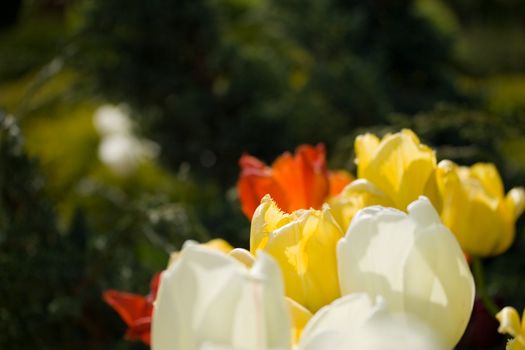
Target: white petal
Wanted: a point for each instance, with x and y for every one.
(413, 261)
(266, 307)
(356, 322)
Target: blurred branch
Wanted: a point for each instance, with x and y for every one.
(42, 77)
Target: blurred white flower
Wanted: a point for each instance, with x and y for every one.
(110, 119)
(123, 153)
(119, 148)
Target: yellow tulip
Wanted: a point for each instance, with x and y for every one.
(355, 196)
(472, 203)
(399, 165)
(509, 323)
(304, 245)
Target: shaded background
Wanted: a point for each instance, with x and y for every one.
(204, 81)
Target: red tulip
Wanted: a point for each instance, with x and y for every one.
(299, 181)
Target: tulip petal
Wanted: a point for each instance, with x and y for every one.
(266, 219)
(300, 317)
(515, 344)
(255, 182)
(400, 165)
(509, 321)
(516, 200)
(488, 177)
(357, 195)
(299, 181)
(510, 324)
(356, 322)
(365, 147)
(338, 179)
(413, 261)
(305, 251)
(243, 256)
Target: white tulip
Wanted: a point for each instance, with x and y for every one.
(208, 300)
(412, 261)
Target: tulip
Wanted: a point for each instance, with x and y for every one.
(510, 324)
(411, 260)
(474, 206)
(209, 300)
(226, 306)
(399, 165)
(295, 182)
(304, 244)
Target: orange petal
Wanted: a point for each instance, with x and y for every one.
(304, 177)
(315, 174)
(135, 310)
(141, 330)
(254, 183)
(294, 182)
(130, 307)
(338, 180)
(288, 175)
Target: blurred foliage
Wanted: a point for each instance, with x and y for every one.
(208, 80)
(209, 76)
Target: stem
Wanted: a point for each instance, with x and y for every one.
(481, 287)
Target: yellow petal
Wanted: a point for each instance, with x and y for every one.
(216, 244)
(488, 176)
(266, 218)
(400, 166)
(365, 147)
(523, 323)
(516, 344)
(355, 196)
(299, 316)
(509, 321)
(516, 200)
(432, 191)
(304, 248)
(243, 256)
(219, 244)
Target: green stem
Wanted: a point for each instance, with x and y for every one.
(481, 287)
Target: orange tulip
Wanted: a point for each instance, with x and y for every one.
(299, 181)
